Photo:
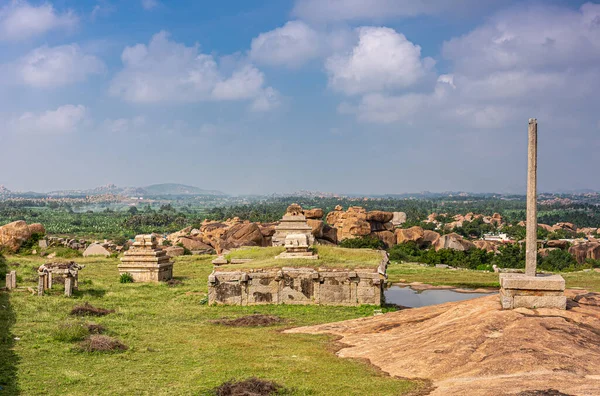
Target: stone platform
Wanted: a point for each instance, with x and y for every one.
(298, 286)
(146, 262)
(524, 291)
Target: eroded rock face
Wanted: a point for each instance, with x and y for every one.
(245, 234)
(585, 250)
(558, 244)
(350, 224)
(13, 235)
(430, 238)
(317, 227)
(379, 216)
(387, 237)
(453, 241)
(474, 348)
(414, 234)
(316, 213)
(37, 228)
(489, 246)
(195, 244)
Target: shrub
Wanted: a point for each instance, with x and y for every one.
(558, 260)
(64, 252)
(126, 278)
(406, 251)
(365, 242)
(167, 242)
(251, 386)
(70, 330)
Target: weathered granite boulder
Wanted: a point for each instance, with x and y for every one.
(195, 244)
(379, 216)
(387, 237)
(267, 229)
(414, 234)
(37, 228)
(330, 234)
(545, 251)
(398, 218)
(350, 224)
(244, 234)
(13, 235)
(317, 227)
(584, 230)
(174, 251)
(453, 241)
(430, 238)
(316, 213)
(582, 251)
(489, 246)
(558, 244)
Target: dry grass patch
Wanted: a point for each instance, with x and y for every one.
(250, 387)
(94, 328)
(250, 321)
(101, 343)
(89, 310)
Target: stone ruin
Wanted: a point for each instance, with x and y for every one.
(296, 246)
(292, 222)
(11, 280)
(299, 286)
(145, 262)
(66, 271)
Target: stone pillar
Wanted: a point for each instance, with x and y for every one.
(41, 284)
(49, 280)
(531, 240)
(8, 282)
(68, 286)
(13, 279)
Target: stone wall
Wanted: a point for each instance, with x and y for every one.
(302, 286)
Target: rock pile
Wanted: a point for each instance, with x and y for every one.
(14, 235)
(358, 222)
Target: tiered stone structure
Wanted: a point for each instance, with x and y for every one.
(146, 262)
(528, 290)
(293, 222)
(296, 246)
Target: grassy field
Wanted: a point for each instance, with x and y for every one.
(173, 346)
(329, 257)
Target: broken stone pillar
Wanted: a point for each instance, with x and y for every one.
(41, 284)
(528, 290)
(68, 286)
(49, 280)
(13, 279)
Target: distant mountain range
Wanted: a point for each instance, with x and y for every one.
(172, 189)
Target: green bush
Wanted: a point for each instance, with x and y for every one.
(407, 251)
(510, 256)
(126, 278)
(65, 252)
(70, 330)
(365, 242)
(558, 260)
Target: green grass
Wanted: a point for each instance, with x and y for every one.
(329, 257)
(474, 279)
(173, 346)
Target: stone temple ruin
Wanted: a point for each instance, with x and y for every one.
(292, 222)
(145, 262)
(50, 272)
(331, 284)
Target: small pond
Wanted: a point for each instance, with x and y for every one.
(407, 297)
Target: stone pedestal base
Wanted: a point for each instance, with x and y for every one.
(147, 272)
(523, 291)
(302, 255)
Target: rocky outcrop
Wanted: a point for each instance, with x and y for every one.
(350, 224)
(453, 241)
(330, 234)
(379, 216)
(582, 251)
(587, 230)
(558, 244)
(174, 251)
(317, 227)
(244, 234)
(316, 213)
(196, 245)
(430, 238)
(398, 218)
(387, 237)
(489, 246)
(13, 235)
(414, 234)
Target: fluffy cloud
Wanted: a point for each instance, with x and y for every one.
(149, 4)
(344, 10)
(166, 71)
(47, 67)
(290, 45)
(65, 119)
(383, 59)
(123, 125)
(524, 62)
(19, 20)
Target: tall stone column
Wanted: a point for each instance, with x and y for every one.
(531, 241)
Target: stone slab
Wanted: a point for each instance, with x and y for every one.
(533, 302)
(525, 282)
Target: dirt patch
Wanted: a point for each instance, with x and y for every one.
(174, 282)
(94, 328)
(250, 321)
(89, 310)
(250, 387)
(101, 343)
(547, 392)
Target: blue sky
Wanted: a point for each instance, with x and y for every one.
(347, 96)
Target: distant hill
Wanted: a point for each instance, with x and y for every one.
(178, 189)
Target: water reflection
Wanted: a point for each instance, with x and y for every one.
(407, 297)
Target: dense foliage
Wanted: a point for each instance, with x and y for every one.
(365, 242)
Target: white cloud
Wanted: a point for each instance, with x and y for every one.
(166, 71)
(46, 67)
(383, 59)
(291, 45)
(102, 8)
(267, 100)
(63, 120)
(19, 20)
(149, 4)
(345, 10)
(124, 125)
